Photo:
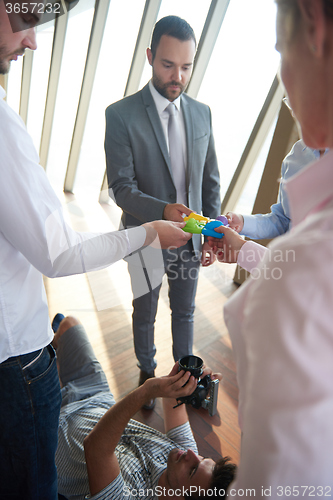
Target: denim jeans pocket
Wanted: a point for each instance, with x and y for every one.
(39, 366)
(30, 405)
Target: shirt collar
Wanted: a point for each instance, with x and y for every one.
(2, 93)
(160, 101)
(316, 152)
(311, 188)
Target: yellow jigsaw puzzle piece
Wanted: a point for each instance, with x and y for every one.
(195, 216)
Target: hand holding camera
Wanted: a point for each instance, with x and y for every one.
(206, 392)
(174, 385)
(188, 382)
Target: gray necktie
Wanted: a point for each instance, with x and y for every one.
(176, 154)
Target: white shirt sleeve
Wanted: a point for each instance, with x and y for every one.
(31, 217)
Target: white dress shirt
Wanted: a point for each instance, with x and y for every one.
(35, 240)
(161, 104)
(281, 325)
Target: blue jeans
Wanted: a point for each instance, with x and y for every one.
(30, 402)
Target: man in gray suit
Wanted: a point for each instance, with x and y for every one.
(158, 171)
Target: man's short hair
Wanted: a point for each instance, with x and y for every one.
(171, 26)
(224, 473)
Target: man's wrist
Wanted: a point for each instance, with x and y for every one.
(164, 212)
(151, 233)
(143, 393)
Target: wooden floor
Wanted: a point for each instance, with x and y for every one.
(101, 300)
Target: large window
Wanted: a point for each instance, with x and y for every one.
(74, 58)
(111, 76)
(39, 81)
(248, 196)
(119, 39)
(239, 75)
(14, 84)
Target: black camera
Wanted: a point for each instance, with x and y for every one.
(206, 386)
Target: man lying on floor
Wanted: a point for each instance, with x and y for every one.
(102, 452)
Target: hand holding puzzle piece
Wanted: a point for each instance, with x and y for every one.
(197, 224)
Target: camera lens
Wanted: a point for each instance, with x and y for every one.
(192, 364)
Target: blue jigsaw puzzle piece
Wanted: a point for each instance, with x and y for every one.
(208, 230)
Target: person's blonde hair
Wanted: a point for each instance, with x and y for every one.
(291, 15)
(290, 10)
(292, 6)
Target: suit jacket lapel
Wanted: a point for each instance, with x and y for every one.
(155, 121)
(189, 137)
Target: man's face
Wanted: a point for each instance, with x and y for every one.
(13, 42)
(172, 66)
(187, 469)
(304, 78)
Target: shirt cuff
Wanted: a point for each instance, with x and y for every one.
(136, 237)
(249, 225)
(250, 255)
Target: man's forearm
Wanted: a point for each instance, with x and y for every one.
(138, 204)
(116, 419)
(173, 417)
(100, 444)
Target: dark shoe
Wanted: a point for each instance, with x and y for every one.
(56, 321)
(149, 405)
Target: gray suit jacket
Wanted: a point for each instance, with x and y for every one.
(138, 162)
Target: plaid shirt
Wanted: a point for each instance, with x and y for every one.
(142, 453)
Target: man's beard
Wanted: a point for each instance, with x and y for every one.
(163, 88)
(4, 66)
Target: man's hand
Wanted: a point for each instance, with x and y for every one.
(236, 221)
(165, 234)
(174, 417)
(207, 255)
(175, 212)
(227, 248)
(175, 385)
(213, 376)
